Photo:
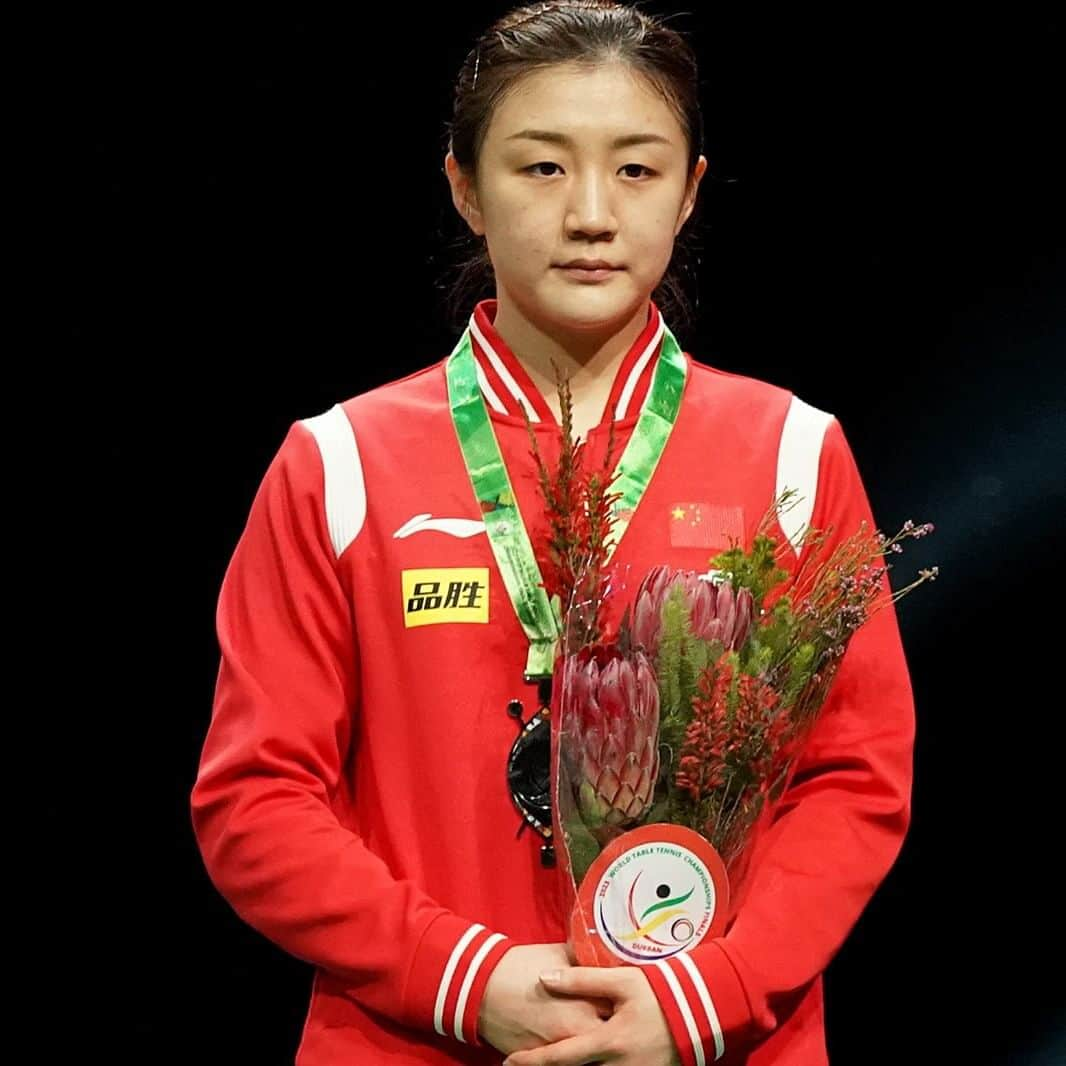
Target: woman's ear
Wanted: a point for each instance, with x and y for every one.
(464, 194)
(689, 203)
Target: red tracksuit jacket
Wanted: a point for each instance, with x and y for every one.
(351, 800)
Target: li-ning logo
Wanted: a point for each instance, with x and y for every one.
(448, 594)
(454, 527)
(654, 901)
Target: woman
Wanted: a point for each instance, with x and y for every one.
(351, 802)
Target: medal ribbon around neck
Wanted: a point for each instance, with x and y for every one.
(540, 618)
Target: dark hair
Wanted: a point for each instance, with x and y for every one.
(570, 31)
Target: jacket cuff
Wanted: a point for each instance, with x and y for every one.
(451, 967)
(705, 1005)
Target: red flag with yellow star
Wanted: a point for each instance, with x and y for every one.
(705, 525)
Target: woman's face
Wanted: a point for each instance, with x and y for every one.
(579, 163)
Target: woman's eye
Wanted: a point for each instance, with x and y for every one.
(545, 164)
(636, 166)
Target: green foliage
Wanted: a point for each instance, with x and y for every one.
(804, 663)
(682, 657)
(581, 845)
(658, 811)
(757, 571)
(771, 643)
(732, 698)
(756, 657)
(675, 632)
(590, 805)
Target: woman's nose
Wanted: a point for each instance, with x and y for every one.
(590, 209)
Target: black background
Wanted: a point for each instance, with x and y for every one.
(258, 228)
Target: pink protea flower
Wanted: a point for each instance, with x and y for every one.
(716, 611)
(610, 724)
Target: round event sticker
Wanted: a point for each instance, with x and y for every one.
(653, 892)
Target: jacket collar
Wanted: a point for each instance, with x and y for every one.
(508, 388)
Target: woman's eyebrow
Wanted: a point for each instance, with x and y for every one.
(626, 141)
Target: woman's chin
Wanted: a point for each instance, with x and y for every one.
(591, 307)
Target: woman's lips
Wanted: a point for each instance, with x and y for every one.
(585, 274)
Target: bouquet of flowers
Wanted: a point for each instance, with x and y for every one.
(673, 730)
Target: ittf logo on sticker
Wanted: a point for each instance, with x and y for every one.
(448, 594)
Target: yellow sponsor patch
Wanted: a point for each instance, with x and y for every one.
(448, 594)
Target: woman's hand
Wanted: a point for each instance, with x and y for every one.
(518, 1011)
(635, 1035)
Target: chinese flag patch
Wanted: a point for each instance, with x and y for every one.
(705, 525)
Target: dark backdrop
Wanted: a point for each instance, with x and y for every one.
(259, 225)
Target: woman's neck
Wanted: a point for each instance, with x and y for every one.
(588, 361)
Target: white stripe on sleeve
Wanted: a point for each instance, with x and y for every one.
(708, 1003)
(683, 1007)
(343, 471)
(797, 465)
(468, 981)
(449, 973)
